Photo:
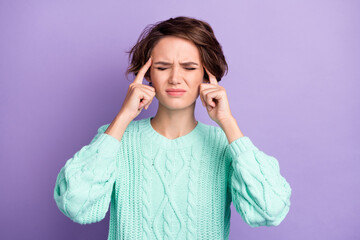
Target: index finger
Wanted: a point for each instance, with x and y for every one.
(212, 78)
(140, 76)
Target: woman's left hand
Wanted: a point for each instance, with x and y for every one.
(214, 98)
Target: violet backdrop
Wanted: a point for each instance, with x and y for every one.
(293, 86)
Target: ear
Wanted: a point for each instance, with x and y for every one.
(206, 76)
(205, 80)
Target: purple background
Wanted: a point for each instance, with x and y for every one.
(293, 86)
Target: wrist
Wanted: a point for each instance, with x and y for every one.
(231, 129)
(227, 122)
(124, 118)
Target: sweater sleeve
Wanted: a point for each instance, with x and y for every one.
(258, 191)
(84, 184)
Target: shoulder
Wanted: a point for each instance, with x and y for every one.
(130, 126)
(215, 134)
(103, 128)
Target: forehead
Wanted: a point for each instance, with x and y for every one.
(175, 48)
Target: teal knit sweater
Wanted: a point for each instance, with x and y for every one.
(162, 188)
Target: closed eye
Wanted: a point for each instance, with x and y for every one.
(162, 69)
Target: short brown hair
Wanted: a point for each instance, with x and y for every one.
(197, 31)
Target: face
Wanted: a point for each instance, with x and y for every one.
(176, 64)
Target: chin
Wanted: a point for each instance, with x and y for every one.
(179, 105)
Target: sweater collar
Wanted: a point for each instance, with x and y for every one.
(153, 136)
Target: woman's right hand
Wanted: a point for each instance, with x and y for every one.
(138, 96)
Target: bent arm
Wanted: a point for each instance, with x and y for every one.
(84, 185)
(260, 194)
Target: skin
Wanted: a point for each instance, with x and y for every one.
(175, 116)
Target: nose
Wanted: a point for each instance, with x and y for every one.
(175, 77)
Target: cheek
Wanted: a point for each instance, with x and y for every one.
(200, 76)
(158, 75)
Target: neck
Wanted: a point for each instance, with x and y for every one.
(174, 123)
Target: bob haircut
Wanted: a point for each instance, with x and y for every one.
(197, 31)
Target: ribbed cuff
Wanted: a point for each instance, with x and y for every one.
(241, 145)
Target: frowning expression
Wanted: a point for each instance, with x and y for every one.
(176, 65)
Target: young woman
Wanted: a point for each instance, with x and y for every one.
(171, 176)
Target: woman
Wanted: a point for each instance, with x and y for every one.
(171, 176)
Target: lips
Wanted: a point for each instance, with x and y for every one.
(175, 90)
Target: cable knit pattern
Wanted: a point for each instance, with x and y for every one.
(146, 211)
(260, 194)
(162, 188)
(191, 199)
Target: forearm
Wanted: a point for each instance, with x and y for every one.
(231, 129)
(83, 186)
(118, 126)
(259, 192)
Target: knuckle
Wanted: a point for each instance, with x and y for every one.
(134, 85)
(137, 89)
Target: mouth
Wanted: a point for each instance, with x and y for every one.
(176, 93)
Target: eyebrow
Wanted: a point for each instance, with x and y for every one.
(184, 63)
